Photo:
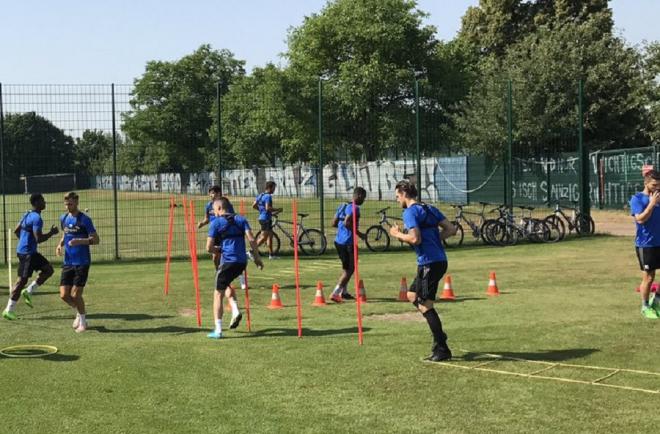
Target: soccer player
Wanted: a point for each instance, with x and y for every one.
(227, 234)
(29, 233)
(645, 211)
(343, 221)
(78, 234)
(209, 216)
(264, 204)
(422, 221)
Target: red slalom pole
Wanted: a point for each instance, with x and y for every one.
(356, 276)
(295, 262)
(195, 264)
(247, 302)
(170, 234)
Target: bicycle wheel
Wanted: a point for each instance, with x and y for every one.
(486, 229)
(538, 231)
(457, 239)
(263, 249)
(555, 232)
(585, 225)
(553, 219)
(377, 240)
(312, 242)
(495, 233)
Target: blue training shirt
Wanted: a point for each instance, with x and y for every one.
(78, 226)
(31, 223)
(229, 232)
(344, 234)
(431, 249)
(648, 234)
(208, 210)
(262, 200)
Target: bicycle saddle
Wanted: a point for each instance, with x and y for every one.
(302, 215)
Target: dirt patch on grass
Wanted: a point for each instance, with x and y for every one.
(187, 312)
(403, 317)
(613, 222)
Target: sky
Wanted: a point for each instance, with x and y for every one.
(75, 42)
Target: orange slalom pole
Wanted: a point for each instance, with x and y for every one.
(170, 234)
(241, 207)
(247, 302)
(356, 276)
(296, 268)
(195, 264)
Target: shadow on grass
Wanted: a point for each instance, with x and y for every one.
(164, 329)
(119, 316)
(543, 355)
(57, 357)
(306, 332)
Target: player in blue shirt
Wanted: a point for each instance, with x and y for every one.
(264, 204)
(209, 216)
(29, 233)
(343, 221)
(644, 209)
(227, 235)
(422, 222)
(78, 234)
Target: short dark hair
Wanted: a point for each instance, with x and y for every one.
(408, 188)
(359, 192)
(215, 189)
(652, 175)
(36, 197)
(225, 204)
(72, 195)
(270, 185)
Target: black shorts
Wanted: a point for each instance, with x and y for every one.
(28, 263)
(266, 225)
(345, 252)
(227, 273)
(428, 277)
(74, 275)
(648, 257)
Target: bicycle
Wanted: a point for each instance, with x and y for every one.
(377, 237)
(477, 228)
(581, 223)
(505, 230)
(311, 241)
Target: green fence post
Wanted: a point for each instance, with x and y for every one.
(585, 202)
(218, 98)
(114, 172)
(2, 177)
(418, 169)
(508, 167)
(319, 178)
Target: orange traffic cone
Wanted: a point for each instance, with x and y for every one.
(403, 290)
(319, 300)
(275, 301)
(448, 292)
(362, 293)
(492, 285)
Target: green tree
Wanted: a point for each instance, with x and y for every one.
(171, 110)
(91, 152)
(368, 52)
(35, 146)
(652, 69)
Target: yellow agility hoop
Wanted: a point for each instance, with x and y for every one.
(26, 351)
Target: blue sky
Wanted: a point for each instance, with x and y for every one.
(73, 41)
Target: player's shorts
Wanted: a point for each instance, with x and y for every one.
(30, 262)
(228, 273)
(345, 253)
(74, 275)
(649, 258)
(266, 225)
(426, 282)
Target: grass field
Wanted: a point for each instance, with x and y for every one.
(145, 367)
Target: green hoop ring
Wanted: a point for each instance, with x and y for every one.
(47, 351)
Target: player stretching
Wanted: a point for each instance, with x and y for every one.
(29, 234)
(227, 233)
(422, 222)
(79, 234)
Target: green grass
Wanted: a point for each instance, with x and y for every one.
(145, 367)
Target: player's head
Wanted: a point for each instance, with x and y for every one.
(222, 205)
(215, 192)
(359, 195)
(405, 191)
(270, 187)
(71, 201)
(652, 181)
(37, 201)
